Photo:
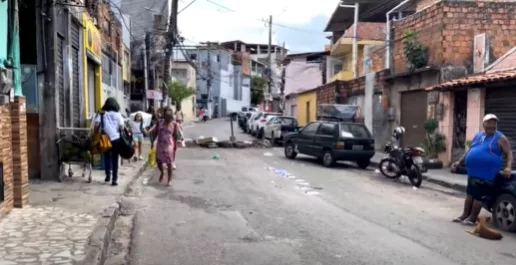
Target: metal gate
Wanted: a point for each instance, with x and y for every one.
(60, 85)
(76, 91)
(501, 102)
(413, 117)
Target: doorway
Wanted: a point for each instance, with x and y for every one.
(307, 112)
(413, 117)
(460, 110)
(91, 88)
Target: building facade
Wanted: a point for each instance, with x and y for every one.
(184, 72)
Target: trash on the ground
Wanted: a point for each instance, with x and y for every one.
(304, 188)
(414, 188)
(317, 188)
(145, 181)
(300, 180)
(312, 192)
(303, 183)
(216, 156)
(281, 173)
(291, 177)
(377, 171)
(268, 154)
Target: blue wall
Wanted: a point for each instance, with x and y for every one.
(3, 31)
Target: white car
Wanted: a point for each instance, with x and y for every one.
(259, 123)
(250, 121)
(277, 126)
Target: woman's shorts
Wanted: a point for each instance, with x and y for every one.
(138, 138)
(478, 188)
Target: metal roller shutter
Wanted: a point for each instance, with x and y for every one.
(76, 91)
(60, 82)
(501, 102)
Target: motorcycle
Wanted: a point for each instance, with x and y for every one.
(401, 161)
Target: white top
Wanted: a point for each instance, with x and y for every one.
(136, 127)
(112, 123)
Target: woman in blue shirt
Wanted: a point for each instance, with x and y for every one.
(484, 160)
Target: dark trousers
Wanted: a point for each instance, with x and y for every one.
(111, 161)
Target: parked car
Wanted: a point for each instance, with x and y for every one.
(242, 121)
(258, 124)
(332, 141)
(249, 124)
(502, 203)
(278, 126)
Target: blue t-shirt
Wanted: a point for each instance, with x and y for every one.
(484, 159)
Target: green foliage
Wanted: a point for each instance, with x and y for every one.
(178, 92)
(435, 142)
(258, 86)
(415, 52)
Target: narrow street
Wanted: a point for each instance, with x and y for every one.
(238, 210)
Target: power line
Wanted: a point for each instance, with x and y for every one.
(187, 6)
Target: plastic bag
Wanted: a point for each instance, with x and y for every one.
(152, 157)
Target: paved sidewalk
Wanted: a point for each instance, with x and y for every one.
(441, 177)
(57, 226)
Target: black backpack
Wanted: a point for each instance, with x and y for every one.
(126, 145)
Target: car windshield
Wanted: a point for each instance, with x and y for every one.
(288, 121)
(357, 131)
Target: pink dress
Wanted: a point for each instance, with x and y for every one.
(166, 143)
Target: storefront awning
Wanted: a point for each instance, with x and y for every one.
(480, 79)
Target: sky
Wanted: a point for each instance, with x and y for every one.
(297, 23)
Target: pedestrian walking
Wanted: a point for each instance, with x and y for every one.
(137, 131)
(111, 123)
(168, 134)
(483, 163)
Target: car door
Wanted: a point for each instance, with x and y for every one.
(306, 138)
(268, 127)
(325, 137)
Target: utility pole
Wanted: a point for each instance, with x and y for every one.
(269, 65)
(172, 40)
(146, 69)
(209, 45)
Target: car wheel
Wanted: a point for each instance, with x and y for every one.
(261, 134)
(290, 151)
(504, 212)
(363, 164)
(328, 159)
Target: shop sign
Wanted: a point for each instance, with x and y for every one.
(92, 39)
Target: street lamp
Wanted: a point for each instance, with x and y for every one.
(355, 36)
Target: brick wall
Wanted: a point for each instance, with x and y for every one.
(448, 29)
(19, 152)
(422, 4)
(6, 159)
(33, 143)
(367, 31)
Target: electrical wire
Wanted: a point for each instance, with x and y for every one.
(187, 6)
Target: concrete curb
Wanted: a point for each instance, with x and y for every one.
(99, 240)
(98, 245)
(440, 182)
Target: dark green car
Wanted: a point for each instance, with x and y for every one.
(332, 141)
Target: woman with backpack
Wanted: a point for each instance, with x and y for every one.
(168, 134)
(111, 123)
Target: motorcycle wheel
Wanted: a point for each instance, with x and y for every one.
(415, 176)
(385, 164)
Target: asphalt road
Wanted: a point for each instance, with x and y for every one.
(240, 209)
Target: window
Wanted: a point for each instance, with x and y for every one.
(271, 121)
(310, 129)
(193, 56)
(218, 58)
(357, 131)
(287, 121)
(337, 68)
(326, 129)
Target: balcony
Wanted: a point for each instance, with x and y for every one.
(343, 76)
(345, 46)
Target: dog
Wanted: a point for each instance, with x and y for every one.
(481, 230)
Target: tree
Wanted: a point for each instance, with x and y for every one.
(178, 92)
(258, 85)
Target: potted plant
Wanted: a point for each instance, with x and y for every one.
(434, 144)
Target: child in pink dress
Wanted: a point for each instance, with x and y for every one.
(168, 132)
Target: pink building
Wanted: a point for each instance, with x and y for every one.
(303, 71)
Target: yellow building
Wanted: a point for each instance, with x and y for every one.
(92, 66)
(307, 106)
(342, 55)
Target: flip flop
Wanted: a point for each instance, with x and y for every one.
(457, 220)
(469, 223)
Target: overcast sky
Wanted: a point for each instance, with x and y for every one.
(299, 22)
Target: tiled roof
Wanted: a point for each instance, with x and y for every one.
(476, 80)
